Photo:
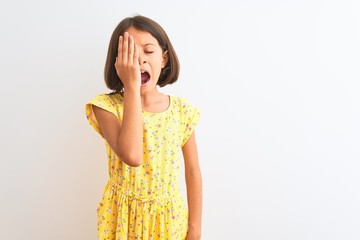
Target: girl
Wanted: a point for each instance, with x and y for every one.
(144, 130)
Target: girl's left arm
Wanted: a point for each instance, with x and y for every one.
(193, 187)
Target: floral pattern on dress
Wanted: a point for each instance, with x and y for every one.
(145, 202)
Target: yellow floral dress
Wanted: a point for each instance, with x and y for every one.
(145, 202)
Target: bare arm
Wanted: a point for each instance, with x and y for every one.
(194, 187)
(126, 138)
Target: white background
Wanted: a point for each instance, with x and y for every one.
(278, 85)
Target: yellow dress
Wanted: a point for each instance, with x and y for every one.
(145, 202)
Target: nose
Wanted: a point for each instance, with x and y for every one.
(142, 59)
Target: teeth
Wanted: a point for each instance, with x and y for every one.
(142, 71)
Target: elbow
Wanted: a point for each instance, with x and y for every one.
(133, 160)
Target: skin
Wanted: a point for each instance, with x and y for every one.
(139, 51)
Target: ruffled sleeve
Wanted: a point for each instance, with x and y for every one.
(103, 101)
(190, 118)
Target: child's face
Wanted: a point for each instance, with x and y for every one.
(151, 58)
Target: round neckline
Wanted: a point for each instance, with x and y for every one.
(162, 112)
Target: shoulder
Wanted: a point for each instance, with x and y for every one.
(107, 98)
(111, 102)
(188, 116)
(181, 102)
(184, 106)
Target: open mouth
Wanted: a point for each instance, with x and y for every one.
(145, 77)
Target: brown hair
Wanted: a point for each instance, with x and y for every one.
(169, 74)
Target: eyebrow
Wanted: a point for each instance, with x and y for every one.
(149, 44)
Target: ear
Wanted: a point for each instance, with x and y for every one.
(165, 57)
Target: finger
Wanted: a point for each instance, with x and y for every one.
(125, 47)
(119, 55)
(116, 61)
(131, 48)
(136, 54)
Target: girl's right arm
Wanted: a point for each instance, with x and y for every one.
(126, 137)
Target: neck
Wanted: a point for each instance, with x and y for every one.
(150, 97)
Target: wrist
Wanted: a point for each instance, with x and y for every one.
(131, 91)
(196, 228)
(193, 234)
